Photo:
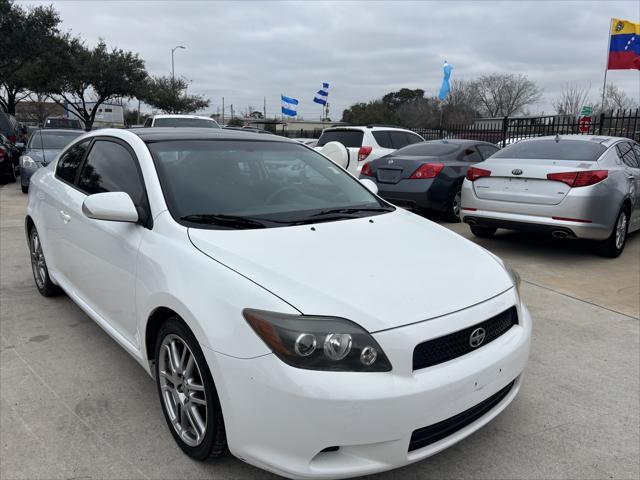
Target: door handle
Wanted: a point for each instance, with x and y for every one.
(66, 218)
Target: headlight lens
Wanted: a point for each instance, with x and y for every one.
(515, 276)
(318, 343)
(27, 162)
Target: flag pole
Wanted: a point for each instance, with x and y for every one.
(606, 67)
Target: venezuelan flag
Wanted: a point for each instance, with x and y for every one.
(624, 45)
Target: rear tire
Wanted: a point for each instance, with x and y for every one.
(483, 232)
(39, 267)
(24, 189)
(452, 213)
(613, 246)
(187, 393)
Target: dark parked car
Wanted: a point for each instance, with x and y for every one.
(8, 159)
(427, 175)
(43, 147)
(9, 127)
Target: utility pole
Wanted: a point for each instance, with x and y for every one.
(223, 124)
(232, 112)
(264, 108)
(138, 120)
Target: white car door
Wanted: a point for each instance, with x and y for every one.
(104, 252)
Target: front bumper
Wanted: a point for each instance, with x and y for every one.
(281, 418)
(26, 173)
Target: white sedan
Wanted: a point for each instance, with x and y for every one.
(222, 262)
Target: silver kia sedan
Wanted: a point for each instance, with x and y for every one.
(569, 186)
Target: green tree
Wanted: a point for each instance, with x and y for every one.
(25, 38)
(170, 96)
(85, 78)
(235, 122)
(375, 111)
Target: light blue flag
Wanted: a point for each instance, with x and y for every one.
(444, 89)
(288, 106)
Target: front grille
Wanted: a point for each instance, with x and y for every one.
(443, 349)
(427, 435)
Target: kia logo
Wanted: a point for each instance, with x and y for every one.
(516, 171)
(477, 337)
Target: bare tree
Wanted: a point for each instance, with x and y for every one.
(615, 99)
(572, 98)
(462, 105)
(502, 94)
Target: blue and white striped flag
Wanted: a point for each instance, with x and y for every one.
(323, 93)
(289, 106)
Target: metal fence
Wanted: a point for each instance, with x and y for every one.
(624, 123)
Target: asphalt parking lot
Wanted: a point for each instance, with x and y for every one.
(75, 405)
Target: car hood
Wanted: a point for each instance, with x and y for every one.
(382, 272)
(45, 156)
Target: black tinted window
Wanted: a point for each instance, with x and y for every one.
(412, 138)
(349, 138)
(399, 139)
(625, 151)
(471, 155)
(636, 149)
(577, 150)
(111, 168)
(70, 162)
(429, 149)
(486, 150)
(185, 122)
(383, 138)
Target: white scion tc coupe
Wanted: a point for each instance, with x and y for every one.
(285, 311)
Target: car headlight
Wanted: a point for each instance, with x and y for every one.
(515, 276)
(27, 162)
(318, 343)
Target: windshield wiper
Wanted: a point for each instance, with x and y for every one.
(350, 211)
(231, 221)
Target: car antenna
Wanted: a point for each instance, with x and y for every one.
(557, 137)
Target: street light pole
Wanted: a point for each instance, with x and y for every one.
(173, 71)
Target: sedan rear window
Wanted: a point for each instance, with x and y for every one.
(349, 138)
(428, 149)
(185, 122)
(577, 150)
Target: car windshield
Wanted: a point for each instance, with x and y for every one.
(185, 122)
(52, 141)
(563, 149)
(428, 149)
(348, 138)
(256, 184)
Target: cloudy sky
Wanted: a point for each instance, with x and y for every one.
(246, 51)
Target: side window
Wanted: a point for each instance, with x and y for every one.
(625, 151)
(147, 122)
(399, 139)
(111, 168)
(636, 149)
(486, 150)
(70, 161)
(413, 138)
(383, 138)
(470, 155)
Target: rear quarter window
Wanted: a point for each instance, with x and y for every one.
(570, 150)
(348, 138)
(67, 167)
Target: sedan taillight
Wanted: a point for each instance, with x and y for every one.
(427, 170)
(366, 170)
(579, 179)
(475, 173)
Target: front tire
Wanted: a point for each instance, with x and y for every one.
(613, 246)
(483, 232)
(187, 393)
(25, 189)
(452, 212)
(39, 267)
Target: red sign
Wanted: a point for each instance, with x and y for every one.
(584, 124)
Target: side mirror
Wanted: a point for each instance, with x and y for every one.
(113, 206)
(336, 152)
(370, 184)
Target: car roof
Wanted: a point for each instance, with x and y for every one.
(363, 128)
(183, 116)
(602, 139)
(457, 141)
(157, 134)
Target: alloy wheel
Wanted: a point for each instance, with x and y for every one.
(38, 264)
(621, 230)
(182, 390)
(456, 203)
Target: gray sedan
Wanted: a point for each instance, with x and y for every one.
(42, 148)
(427, 176)
(576, 186)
